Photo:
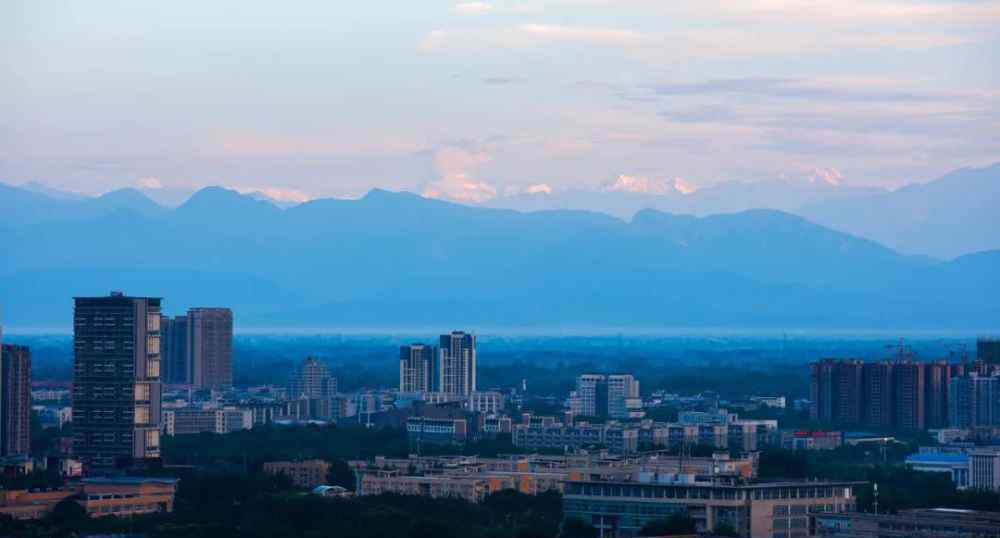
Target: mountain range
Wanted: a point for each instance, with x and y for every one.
(400, 260)
(948, 217)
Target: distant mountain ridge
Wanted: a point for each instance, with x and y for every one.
(948, 217)
(397, 259)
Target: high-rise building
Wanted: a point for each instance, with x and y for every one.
(456, 371)
(988, 350)
(908, 395)
(116, 380)
(210, 347)
(174, 362)
(836, 391)
(586, 400)
(877, 394)
(975, 401)
(312, 379)
(937, 386)
(416, 368)
(607, 396)
(15, 400)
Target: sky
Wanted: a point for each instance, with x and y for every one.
(475, 100)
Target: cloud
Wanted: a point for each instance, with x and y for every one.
(454, 166)
(473, 8)
(684, 186)
(149, 183)
(278, 194)
(466, 40)
(645, 185)
(830, 176)
(540, 188)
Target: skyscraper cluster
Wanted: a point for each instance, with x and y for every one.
(198, 348)
(904, 394)
(123, 346)
(450, 368)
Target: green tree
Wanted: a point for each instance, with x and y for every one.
(341, 474)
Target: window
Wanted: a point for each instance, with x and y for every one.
(142, 414)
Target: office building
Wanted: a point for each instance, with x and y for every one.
(486, 402)
(312, 379)
(984, 469)
(988, 350)
(456, 370)
(835, 388)
(210, 347)
(116, 380)
(173, 342)
(955, 464)
(919, 522)
(416, 368)
(15, 400)
(620, 508)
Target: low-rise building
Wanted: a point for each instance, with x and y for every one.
(437, 431)
(984, 469)
(24, 504)
(757, 510)
(616, 438)
(306, 474)
(810, 440)
(928, 522)
(956, 464)
(127, 496)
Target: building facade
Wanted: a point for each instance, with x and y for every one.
(456, 369)
(210, 347)
(116, 380)
(175, 368)
(416, 368)
(15, 400)
(312, 379)
(758, 510)
(305, 474)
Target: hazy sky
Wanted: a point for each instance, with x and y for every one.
(473, 99)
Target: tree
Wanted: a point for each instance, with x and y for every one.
(68, 514)
(341, 474)
(575, 527)
(679, 523)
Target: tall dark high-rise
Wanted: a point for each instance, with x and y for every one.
(456, 370)
(937, 386)
(835, 389)
(908, 395)
(416, 368)
(15, 400)
(116, 380)
(988, 350)
(173, 339)
(877, 394)
(210, 347)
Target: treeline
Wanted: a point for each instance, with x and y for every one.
(257, 506)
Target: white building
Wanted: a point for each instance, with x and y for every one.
(984, 469)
